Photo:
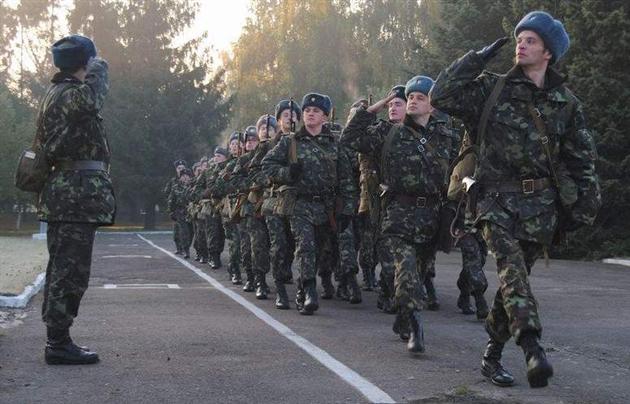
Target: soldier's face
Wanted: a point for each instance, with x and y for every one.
(396, 109)
(234, 146)
(184, 178)
(262, 132)
(204, 166)
(530, 49)
(314, 117)
(251, 143)
(418, 104)
(218, 158)
(285, 119)
(179, 168)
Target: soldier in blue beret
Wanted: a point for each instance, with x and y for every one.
(537, 155)
(72, 209)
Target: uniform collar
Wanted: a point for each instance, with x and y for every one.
(553, 78)
(64, 77)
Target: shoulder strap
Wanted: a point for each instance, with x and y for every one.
(292, 148)
(487, 107)
(544, 139)
(50, 98)
(387, 145)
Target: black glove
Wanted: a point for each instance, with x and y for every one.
(295, 170)
(491, 51)
(343, 221)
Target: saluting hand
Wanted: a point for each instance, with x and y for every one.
(491, 51)
(379, 105)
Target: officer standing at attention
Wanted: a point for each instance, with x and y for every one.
(78, 195)
(536, 151)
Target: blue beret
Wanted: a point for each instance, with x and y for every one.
(551, 31)
(73, 51)
(251, 132)
(320, 101)
(262, 121)
(179, 163)
(420, 84)
(399, 90)
(286, 104)
(234, 136)
(221, 150)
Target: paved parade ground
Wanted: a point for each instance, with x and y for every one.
(171, 330)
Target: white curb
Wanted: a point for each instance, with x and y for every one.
(617, 261)
(22, 300)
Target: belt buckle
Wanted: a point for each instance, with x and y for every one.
(421, 202)
(528, 186)
(317, 198)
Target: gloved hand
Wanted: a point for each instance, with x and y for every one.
(295, 171)
(343, 221)
(491, 51)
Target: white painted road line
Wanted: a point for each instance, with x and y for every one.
(141, 286)
(364, 386)
(125, 256)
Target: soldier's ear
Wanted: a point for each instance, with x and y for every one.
(547, 54)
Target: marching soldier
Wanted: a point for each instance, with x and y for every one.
(535, 151)
(178, 201)
(179, 166)
(414, 157)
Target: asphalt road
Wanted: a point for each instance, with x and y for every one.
(203, 340)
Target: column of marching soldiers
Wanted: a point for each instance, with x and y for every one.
(315, 196)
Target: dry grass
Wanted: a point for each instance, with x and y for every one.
(21, 260)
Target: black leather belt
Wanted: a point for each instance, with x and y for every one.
(81, 165)
(528, 186)
(421, 201)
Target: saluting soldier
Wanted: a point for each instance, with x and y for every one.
(536, 151)
(78, 195)
(415, 156)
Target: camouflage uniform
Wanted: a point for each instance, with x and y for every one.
(74, 202)
(200, 242)
(167, 191)
(178, 209)
(414, 173)
(215, 234)
(326, 175)
(516, 223)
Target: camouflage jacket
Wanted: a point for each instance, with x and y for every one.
(178, 200)
(416, 166)
(325, 183)
(73, 130)
(512, 149)
(201, 190)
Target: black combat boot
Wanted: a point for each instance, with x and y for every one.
(250, 284)
(203, 260)
(463, 302)
(416, 334)
(187, 253)
(236, 278)
(539, 369)
(354, 289)
(310, 297)
(197, 257)
(299, 298)
(262, 290)
(215, 261)
(432, 301)
(282, 298)
(482, 306)
(329, 288)
(60, 350)
(401, 326)
(342, 290)
(491, 365)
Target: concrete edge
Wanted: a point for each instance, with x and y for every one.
(617, 261)
(22, 300)
(137, 232)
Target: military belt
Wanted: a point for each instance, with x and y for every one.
(421, 201)
(528, 186)
(81, 165)
(314, 197)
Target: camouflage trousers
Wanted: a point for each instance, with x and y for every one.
(315, 249)
(68, 271)
(184, 230)
(215, 235)
(259, 243)
(281, 247)
(367, 246)
(411, 263)
(177, 237)
(514, 310)
(347, 241)
(234, 246)
(245, 249)
(200, 241)
(472, 279)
